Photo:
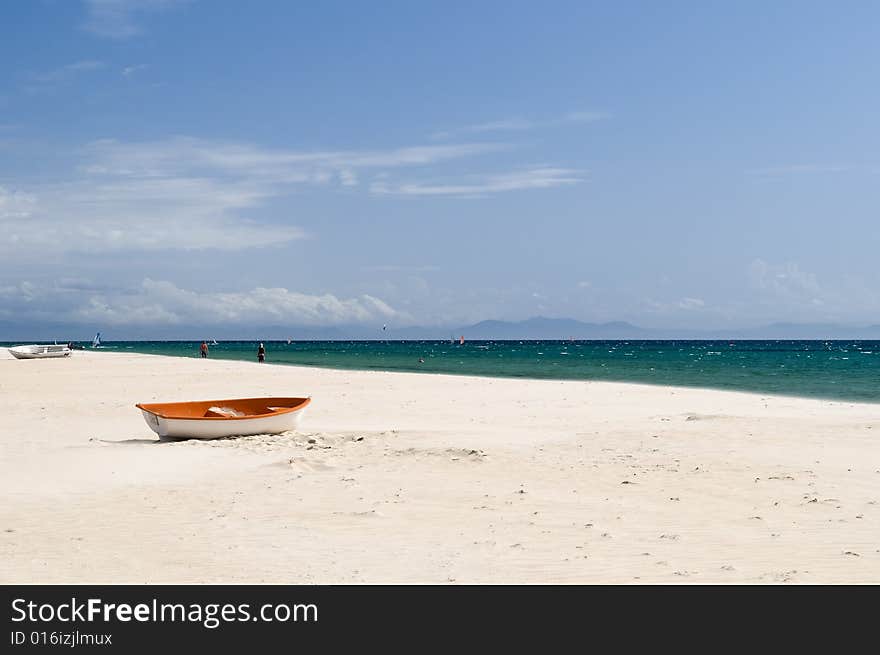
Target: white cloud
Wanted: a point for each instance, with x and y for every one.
(584, 117)
(787, 291)
(62, 75)
(786, 281)
(798, 169)
(675, 307)
(97, 215)
(82, 66)
(495, 126)
(157, 302)
(131, 70)
(185, 193)
(522, 124)
(691, 303)
(348, 177)
(15, 205)
(393, 268)
(118, 19)
(535, 178)
(179, 154)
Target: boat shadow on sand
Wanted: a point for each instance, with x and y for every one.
(135, 442)
(140, 441)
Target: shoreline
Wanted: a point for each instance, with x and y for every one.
(399, 477)
(680, 387)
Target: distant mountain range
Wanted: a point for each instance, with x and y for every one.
(541, 327)
(538, 327)
(550, 328)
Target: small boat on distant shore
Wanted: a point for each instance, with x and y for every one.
(215, 419)
(36, 351)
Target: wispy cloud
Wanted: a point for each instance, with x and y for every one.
(497, 126)
(798, 169)
(194, 194)
(63, 74)
(186, 194)
(348, 177)
(118, 19)
(535, 178)
(394, 268)
(97, 214)
(71, 69)
(686, 306)
(522, 124)
(159, 302)
(582, 117)
(786, 281)
(131, 70)
(789, 290)
(691, 303)
(14, 204)
(180, 154)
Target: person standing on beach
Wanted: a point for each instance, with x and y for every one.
(204, 349)
(261, 353)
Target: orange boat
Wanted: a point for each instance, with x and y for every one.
(214, 419)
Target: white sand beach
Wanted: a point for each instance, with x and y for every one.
(415, 478)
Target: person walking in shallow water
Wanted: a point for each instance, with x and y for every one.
(261, 353)
(204, 349)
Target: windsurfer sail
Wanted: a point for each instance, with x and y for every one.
(96, 342)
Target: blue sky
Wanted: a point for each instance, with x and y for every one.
(672, 164)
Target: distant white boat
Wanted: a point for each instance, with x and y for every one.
(35, 351)
(214, 342)
(96, 342)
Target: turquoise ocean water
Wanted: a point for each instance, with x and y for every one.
(840, 370)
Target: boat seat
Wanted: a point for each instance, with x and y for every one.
(226, 412)
(223, 412)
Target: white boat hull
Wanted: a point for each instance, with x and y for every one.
(181, 428)
(39, 352)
